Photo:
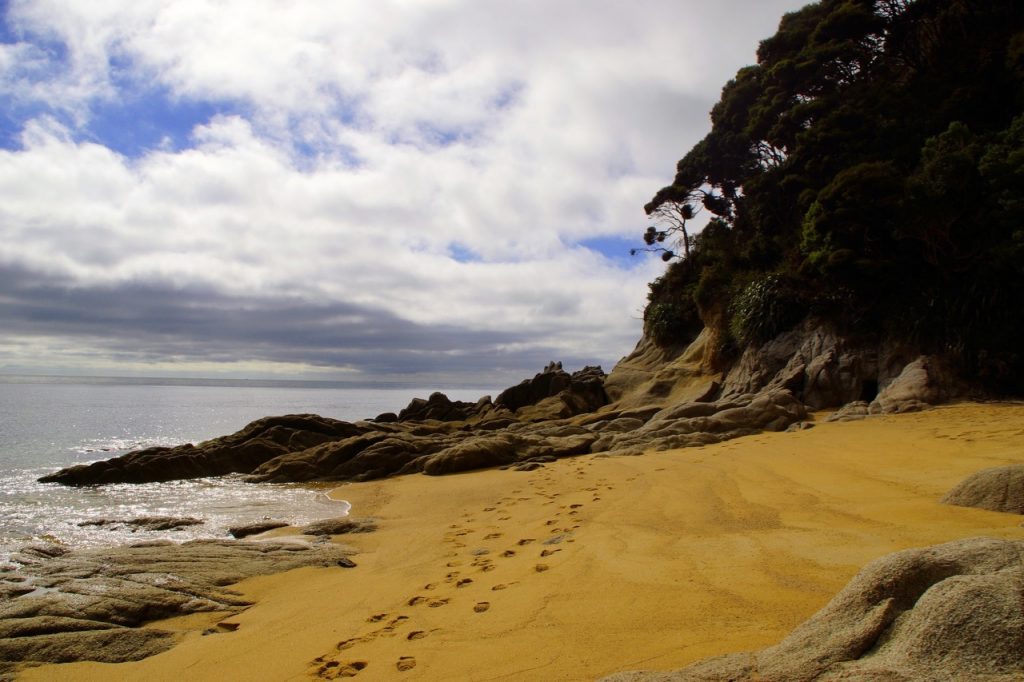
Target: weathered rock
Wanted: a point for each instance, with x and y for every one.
(89, 605)
(998, 489)
(340, 526)
(248, 529)
(858, 409)
(921, 383)
(943, 613)
(150, 523)
(652, 375)
(692, 424)
(551, 381)
(241, 452)
(438, 406)
(475, 453)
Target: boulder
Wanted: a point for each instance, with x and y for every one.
(949, 612)
(924, 382)
(998, 489)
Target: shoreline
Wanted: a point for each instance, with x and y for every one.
(593, 565)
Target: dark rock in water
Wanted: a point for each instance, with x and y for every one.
(152, 523)
(998, 489)
(248, 529)
(241, 452)
(948, 612)
(386, 418)
(88, 606)
(340, 526)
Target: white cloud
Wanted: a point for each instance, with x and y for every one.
(368, 139)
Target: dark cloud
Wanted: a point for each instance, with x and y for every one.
(152, 321)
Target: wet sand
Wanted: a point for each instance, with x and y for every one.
(596, 564)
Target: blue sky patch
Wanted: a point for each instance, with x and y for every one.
(136, 123)
(463, 254)
(615, 248)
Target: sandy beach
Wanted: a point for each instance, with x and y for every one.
(597, 564)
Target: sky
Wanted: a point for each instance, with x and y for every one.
(423, 190)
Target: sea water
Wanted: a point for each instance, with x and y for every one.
(47, 423)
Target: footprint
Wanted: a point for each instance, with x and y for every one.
(492, 536)
(376, 618)
(524, 541)
(508, 553)
(499, 586)
(430, 586)
(549, 552)
(416, 600)
(482, 606)
(335, 669)
(416, 634)
(464, 582)
(540, 568)
(434, 603)
(405, 663)
(575, 506)
(489, 508)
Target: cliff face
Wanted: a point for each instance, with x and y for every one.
(819, 366)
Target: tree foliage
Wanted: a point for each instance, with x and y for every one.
(872, 159)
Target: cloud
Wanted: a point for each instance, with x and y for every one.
(385, 188)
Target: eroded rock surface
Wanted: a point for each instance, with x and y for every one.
(949, 612)
(60, 606)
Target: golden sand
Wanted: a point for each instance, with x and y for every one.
(598, 564)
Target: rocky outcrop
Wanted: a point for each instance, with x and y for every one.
(555, 394)
(998, 489)
(62, 606)
(241, 452)
(652, 375)
(691, 424)
(433, 436)
(949, 612)
(662, 399)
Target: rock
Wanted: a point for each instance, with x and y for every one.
(998, 489)
(150, 523)
(89, 605)
(692, 424)
(340, 526)
(550, 382)
(923, 382)
(858, 409)
(437, 406)
(652, 375)
(948, 612)
(474, 453)
(248, 529)
(241, 452)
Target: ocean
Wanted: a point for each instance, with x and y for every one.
(51, 422)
